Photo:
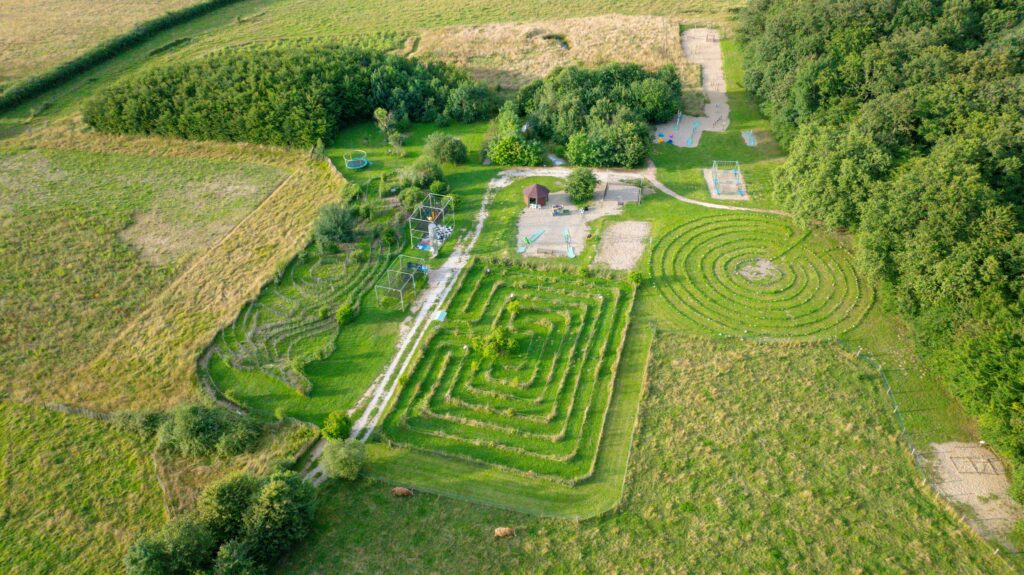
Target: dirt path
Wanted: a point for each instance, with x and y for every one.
(701, 46)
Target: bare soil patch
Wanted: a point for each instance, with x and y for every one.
(622, 244)
(552, 242)
(760, 270)
(971, 477)
(512, 54)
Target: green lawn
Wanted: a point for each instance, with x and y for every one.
(750, 457)
(90, 238)
(73, 492)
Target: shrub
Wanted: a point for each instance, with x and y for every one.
(335, 224)
(183, 546)
(423, 172)
(446, 148)
(514, 151)
(280, 516)
(470, 102)
(440, 188)
(197, 431)
(143, 423)
(499, 341)
(409, 197)
(337, 425)
(346, 313)
(385, 121)
(223, 503)
(343, 460)
(236, 558)
(581, 185)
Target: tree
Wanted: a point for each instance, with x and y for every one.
(334, 224)
(445, 148)
(385, 121)
(337, 425)
(236, 558)
(514, 151)
(582, 182)
(223, 504)
(423, 172)
(280, 516)
(344, 459)
(182, 547)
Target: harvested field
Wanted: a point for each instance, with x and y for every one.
(36, 35)
(622, 245)
(512, 54)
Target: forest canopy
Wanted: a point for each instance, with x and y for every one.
(905, 125)
(285, 96)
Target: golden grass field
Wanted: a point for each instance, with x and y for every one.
(512, 54)
(36, 35)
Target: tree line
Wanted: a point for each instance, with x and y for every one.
(292, 96)
(904, 123)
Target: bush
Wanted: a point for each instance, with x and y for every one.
(423, 172)
(445, 148)
(499, 342)
(183, 546)
(344, 460)
(514, 151)
(280, 516)
(142, 423)
(346, 313)
(470, 102)
(337, 425)
(409, 197)
(582, 182)
(198, 431)
(236, 558)
(334, 224)
(224, 502)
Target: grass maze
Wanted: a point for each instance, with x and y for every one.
(293, 321)
(757, 275)
(540, 408)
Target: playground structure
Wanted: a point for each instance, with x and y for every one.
(356, 160)
(725, 181)
(429, 225)
(700, 46)
(749, 138)
(569, 251)
(399, 280)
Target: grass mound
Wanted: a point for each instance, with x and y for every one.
(539, 407)
(756, 275)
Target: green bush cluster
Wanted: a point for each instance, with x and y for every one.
(500, 341)
(239, 526)
(289, 96)
(445, 148)
(200, 431)
(335, 224)
(905, 124)
(601, 115)
(337, 426)
(344, 459)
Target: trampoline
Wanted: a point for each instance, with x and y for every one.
(356, 160)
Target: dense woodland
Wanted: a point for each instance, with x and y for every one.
(905, 125)
(600, 115)
(285, 96)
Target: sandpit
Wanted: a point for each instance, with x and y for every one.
(622, 245)
(971, 477)
(700, 46)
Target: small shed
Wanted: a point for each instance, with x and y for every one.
(536, 194)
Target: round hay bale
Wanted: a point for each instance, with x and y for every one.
(401, 492)
(502, 532)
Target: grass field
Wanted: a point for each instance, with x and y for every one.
(36, 35)
(90, 238)
(73, 492)
(742, 464)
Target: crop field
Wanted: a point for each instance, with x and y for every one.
(73, 492)
(90, 238)
(541, 409)
(758, 275)
(259, 360)
(36, 35)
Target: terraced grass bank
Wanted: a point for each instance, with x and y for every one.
(540, 408)
(756, 275)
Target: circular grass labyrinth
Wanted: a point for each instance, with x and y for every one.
(756, 275)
